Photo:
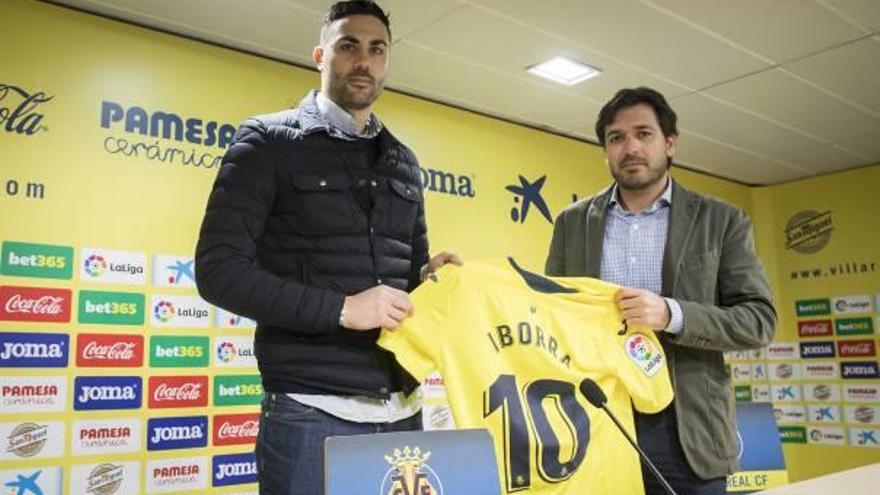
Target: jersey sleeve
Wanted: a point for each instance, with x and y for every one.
(418, 342)
(643, 370)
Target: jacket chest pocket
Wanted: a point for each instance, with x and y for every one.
(322, 204)
(698, 276)
(401, 208)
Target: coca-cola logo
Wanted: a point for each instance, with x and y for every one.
(46, 305)
(187, 391)
(110, 350)
(236, 429)
(34, 304)
(857, 348)
(814, 328)
(247, 429)
(178, 391)
(119, 350)
(18, 110)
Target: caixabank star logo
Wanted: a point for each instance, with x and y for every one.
(410, 474)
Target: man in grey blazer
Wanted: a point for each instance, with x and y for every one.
(690, 272)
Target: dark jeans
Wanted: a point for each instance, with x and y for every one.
(658, 437)
(290, 445)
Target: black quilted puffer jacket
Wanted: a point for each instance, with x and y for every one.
(298, 218)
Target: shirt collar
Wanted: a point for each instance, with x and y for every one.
(343, 121)
(665, 199)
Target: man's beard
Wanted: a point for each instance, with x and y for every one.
(637, 182)
(352, 99)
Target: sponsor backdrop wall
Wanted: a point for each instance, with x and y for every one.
(117, 378)
(819, 240)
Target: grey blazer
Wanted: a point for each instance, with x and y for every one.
(710, 267)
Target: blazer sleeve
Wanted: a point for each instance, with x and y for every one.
(742, 315)
(227, 274)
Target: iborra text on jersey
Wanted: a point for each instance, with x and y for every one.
(523, 333)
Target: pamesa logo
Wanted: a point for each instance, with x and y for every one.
(154, 136)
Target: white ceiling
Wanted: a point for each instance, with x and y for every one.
(767, 91)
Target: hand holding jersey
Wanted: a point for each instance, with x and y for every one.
(512, 347)
(642, 308)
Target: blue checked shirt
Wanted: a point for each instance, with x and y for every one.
(632, 250)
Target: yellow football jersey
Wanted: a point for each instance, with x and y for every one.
(513, 348)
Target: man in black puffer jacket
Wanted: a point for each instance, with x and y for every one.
(315, 228)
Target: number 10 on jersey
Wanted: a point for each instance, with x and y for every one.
(525, 418)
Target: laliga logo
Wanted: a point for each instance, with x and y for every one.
(643, 352)
(226, 352)
(164, 311)
(639, 348)
(95, 265)
(410, 474)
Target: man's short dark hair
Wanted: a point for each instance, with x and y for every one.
(630, 97)
(341, 10)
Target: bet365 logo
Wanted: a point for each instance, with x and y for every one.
(23, 259)
(113, 308)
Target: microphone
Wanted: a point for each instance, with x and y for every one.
(597, 398)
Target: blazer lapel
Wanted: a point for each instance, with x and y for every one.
(682, 216)
(595, 233)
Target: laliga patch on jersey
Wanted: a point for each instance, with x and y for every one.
(644, 353)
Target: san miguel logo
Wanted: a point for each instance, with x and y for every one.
(27, 439)
(808, 231)
(19, 110)
(34, 304)
(105, 479)
(31, 440)
(410, 474)
(178, 391)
